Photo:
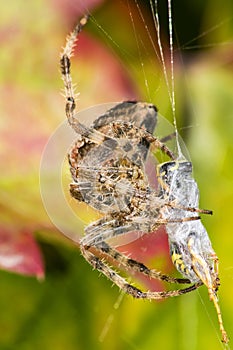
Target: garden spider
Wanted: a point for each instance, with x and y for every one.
(107, 165)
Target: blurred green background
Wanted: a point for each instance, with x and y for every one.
(74, 307)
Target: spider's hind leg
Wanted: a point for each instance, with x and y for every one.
(122, 283)
(136, 266)
(96, 236)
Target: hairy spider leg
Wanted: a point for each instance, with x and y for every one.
(69, 88)
(122, 283)
(193, 210)
(96, 234)
(111, 226)
(136, 266)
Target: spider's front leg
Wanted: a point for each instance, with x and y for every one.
(70, 95)
(114, 225)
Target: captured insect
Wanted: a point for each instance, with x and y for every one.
(190, 246)
(107, 164)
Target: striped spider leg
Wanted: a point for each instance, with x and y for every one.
(107, 166)
(190, 246)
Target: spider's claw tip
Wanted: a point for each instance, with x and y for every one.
(84, 20)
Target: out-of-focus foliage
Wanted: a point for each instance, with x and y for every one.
(74, 307)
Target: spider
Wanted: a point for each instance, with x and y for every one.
(107, 164)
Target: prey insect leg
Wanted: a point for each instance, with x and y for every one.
(198, 262)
